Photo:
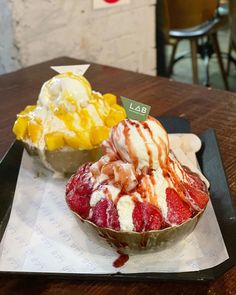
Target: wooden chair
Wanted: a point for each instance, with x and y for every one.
(232, 26)
(194, 20)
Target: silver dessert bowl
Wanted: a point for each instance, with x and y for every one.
(64, 161)
(130, 242)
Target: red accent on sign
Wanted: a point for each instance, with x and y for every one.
(111, 1)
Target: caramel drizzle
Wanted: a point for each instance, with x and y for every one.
(129, 144)
(149, 152)
(156, 197)
(108, 193)
(176, 180)
(152, 196)
(160, 146)
(168, 172)
(157, 122)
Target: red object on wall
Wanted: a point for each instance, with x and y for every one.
(97, 4)
(111, 1)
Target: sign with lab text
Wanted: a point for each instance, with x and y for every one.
(134, 109)
(97, 4)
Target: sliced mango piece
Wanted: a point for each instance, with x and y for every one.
(28, 109)
(80, 140)
(102, 108)
(54, 140)
(85, 120)
(119, 108)
(84, 139)
(109, 98)
(66, 117)
(115, 116)
(95, 97)
(60, 110)
(98, 134)
(72, 141)
(34, 130)
(20, 127)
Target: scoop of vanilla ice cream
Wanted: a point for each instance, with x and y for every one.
(144, 144)
(65, 88)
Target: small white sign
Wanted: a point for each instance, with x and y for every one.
(75, 69)
(108, 3)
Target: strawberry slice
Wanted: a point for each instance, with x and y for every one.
(81, 181)
(194, 179)
(72, 183)
(113, 218)
(137, 215)
(178, 210)
(78, 203)
(153, 218)
(196, 197)
(78, 191)
(105, 215)
(146, 217)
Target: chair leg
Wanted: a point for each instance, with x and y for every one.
(206, 62)
(217, 51)
(194, 60)
(228, 58)
(172, 59)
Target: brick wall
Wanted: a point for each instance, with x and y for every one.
(8, 51)
(120, 36)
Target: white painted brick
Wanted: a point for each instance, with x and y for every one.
(144, 19)
(118, 25)
(147, 60)
(125, 45)
(122, 36)
(128, 63)
(8, 52)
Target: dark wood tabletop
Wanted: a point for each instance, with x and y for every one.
(204, 108)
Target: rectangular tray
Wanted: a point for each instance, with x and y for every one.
(211, 165)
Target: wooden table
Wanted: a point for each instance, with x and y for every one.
(205, 108)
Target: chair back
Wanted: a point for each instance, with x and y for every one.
(184, 14)
(232, 20)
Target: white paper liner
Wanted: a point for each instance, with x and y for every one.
(43, 236)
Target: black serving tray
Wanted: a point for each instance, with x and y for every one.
(211, 165)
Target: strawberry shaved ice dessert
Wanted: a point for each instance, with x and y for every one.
(138, 185)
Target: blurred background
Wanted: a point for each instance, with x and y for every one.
(189, 41)
(196, 41)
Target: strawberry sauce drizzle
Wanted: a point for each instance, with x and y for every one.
(152, 179)
(161, 146)
(149, 152)
(158, 145)
(175, 179)
(121, 260)
(128, 142)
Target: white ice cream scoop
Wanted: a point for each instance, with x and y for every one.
(65, 88)
(143, 144)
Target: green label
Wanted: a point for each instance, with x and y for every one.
(135, 110)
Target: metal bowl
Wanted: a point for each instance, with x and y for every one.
(64, 161)
(140, 242)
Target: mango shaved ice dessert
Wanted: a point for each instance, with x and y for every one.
(68, 116)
